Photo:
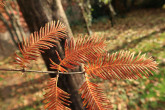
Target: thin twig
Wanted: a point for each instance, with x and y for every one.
(53, 72)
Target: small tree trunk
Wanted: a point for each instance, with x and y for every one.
(39, 12)
(112, 13)
(12, 24)
(1, 46)
(86, 14)
(9, 29)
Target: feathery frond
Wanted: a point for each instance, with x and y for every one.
(56, 66)
(56, 98)
(44, 39)
(121, 65)
(93, 96)
(83, 50)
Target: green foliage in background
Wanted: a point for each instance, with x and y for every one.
(105, 1)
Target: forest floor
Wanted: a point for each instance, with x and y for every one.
(139, 31)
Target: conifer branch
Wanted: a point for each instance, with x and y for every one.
(121, 65)
(93, 96)
(45, 38)
(56, 98)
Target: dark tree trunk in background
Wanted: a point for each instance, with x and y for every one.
(36, 14)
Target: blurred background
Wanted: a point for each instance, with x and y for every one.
(134, 25)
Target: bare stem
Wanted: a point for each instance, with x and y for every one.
(54, 72)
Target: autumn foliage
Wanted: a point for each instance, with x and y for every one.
(89, 51)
